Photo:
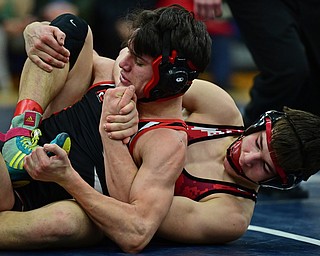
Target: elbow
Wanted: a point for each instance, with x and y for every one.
(241, 228)
(134, 246)
(233, 229)
(136, 241)
(238, 228)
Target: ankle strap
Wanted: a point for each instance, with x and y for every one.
(14, 132)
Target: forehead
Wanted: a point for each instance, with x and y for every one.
(260, 138)
(144, 57)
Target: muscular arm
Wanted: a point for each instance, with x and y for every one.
(203, 103)
(151, 190)
(206, 222)
(149, 187)
(130, 224)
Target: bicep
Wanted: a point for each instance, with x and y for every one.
(207, 101)
(210, 222)
(153, 186)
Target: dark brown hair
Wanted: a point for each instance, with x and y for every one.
(188, 36)
(296, 142)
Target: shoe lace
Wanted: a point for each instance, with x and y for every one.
(35, 136)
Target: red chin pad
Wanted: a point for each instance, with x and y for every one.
(234, 155)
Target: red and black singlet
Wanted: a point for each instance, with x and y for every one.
(197, 188)
(146, 125)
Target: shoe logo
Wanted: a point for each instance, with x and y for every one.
(30, 118)
(71, 21)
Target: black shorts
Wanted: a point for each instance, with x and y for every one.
(81, 122)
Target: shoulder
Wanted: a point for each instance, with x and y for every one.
(102, 68)
(211, 104)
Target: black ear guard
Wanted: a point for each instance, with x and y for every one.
(172, 75)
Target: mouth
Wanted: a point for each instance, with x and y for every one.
(124, 80)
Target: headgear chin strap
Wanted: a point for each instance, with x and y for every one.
(172, 74)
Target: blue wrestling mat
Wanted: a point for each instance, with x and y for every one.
(279, 227)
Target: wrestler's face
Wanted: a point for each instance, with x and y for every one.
(135, 70)
(253, 157)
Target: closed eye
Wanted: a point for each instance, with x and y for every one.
(266, 166)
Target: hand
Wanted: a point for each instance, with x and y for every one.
(44, 46)
(207, 9)
(119, 118)
(56, 168)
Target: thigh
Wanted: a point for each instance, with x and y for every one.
(59, 225)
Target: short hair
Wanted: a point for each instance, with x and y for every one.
(296, 142)
(189, 36)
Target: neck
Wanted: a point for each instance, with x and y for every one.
(168, 109)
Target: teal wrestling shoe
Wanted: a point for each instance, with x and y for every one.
(20, 177)
(17, 147)
(63, 141)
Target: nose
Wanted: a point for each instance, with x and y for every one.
(250, 158)
(125, 62)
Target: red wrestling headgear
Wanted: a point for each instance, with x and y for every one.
(266, 121)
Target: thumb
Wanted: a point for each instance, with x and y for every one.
(127, 96)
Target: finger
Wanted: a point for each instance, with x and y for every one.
(41, 56)
(40, 63)
(111, 127)
(218, 11)
(50, 44)
(59, 35)
(55, 150)
(48, 54)
(126, 140)
(127, 96)
(35, 160)
(200, 11)
(121, 135)
(130, 107)
(27, 163)
(131, 118)
(54, 50)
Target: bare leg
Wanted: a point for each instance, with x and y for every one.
(50, 92)
(59, 225)
(77, 81)
(40, 86)
(60, 88)
(6, 192)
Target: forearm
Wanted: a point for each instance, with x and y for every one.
(120, 168)
(128, 225)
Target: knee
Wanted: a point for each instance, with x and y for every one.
(66, 221)
(76, 30)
